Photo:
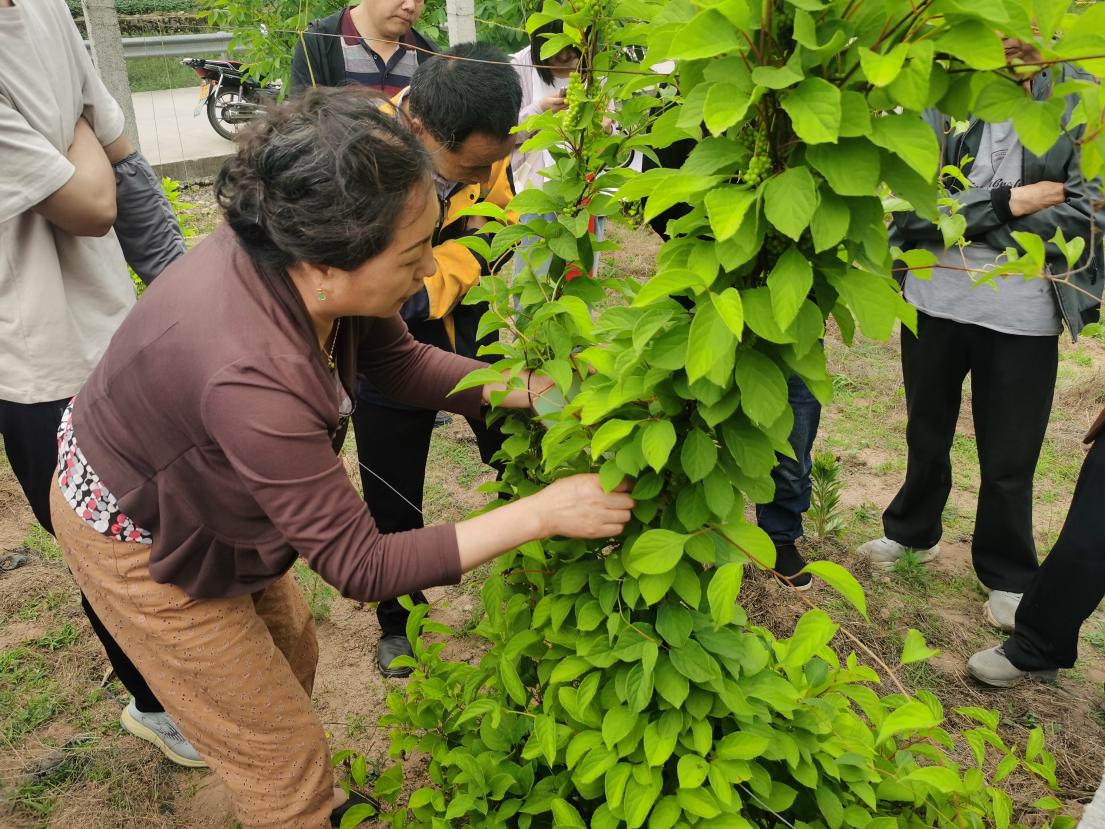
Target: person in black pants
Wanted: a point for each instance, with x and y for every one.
(30, 435)
(1012, 385)
(781, 518)
(1004, 334)
(1067, 589)
(68, 179)
(462, 112)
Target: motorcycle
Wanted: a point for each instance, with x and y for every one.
(230, 96)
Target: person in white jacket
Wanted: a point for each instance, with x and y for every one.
(543, 85)
(544, 82)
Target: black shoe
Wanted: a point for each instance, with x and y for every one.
(392, 646)
(442, 419)
(788, 562)
(355, 799)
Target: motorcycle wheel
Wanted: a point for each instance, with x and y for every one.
(215, 106)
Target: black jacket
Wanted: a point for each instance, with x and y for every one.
(1082, 215)
(318, 61)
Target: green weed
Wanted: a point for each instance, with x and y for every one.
(911, 572)
(319, 595)
(40, 541)
(825, 513)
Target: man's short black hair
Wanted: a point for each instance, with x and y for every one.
(471, 88)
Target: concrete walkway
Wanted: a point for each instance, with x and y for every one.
(177, 142)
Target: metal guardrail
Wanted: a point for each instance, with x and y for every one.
(174, 46)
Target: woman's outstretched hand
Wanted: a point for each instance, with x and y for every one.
(578, 507)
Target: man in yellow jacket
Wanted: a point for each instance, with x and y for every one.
(462, 106)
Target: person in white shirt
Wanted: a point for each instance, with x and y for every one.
(64, 286)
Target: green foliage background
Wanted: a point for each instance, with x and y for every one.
(624, 685)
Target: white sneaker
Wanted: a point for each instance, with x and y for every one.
(882, 552)
(1001, 609)
(160, 730)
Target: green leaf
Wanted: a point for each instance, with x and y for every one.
(698, 455)
(725, 105)
(1048, 803)
(608, 434)
(741, 745)
(710, 343)
(814, 110)
(356, 815)
(882, 68)
(657, 441)
(911, 716)
(654, 588)
(842, 581)
(654, 551)
(875, 301)
(691, 771)
(813, 632)
(855, 114)
(479, 377)
(731, 310)
(831, 807)
(775, 77)
(790, 282)
(671, 684)
(694, 663)
(725, 584)
(830, 222)
(666, 814)
(943, 779)
(674, 623)
(616, 724)
(851, 166)
(972, 42)
(565, 814)
(668, 283)
(726, 206)
(1038, 123)
(660, 737)
(909, 138)
(709, 33)
(610, 475)
(544, 730)
(916, 649)
(750, 541)
(763, 387)
(1002, 805)
(790, 199)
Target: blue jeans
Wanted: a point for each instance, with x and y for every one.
(782, 518)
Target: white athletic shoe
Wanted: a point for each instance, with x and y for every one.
(1001, 609)
(882, 552)
(160, 730)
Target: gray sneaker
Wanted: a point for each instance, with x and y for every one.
(992, 667)
(1001, 609)
(882, 552)
(160, 730)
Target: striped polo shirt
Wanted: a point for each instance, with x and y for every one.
(365, 67)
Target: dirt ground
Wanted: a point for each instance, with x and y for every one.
(64, 761)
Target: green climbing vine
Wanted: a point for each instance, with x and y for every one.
(623, 684)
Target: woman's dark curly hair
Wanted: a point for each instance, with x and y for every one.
(322, 179)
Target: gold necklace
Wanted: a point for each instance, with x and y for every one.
(333, 345)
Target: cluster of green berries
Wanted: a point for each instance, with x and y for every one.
(575, 97)
(759, 166)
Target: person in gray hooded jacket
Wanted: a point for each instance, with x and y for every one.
(1003, 334)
